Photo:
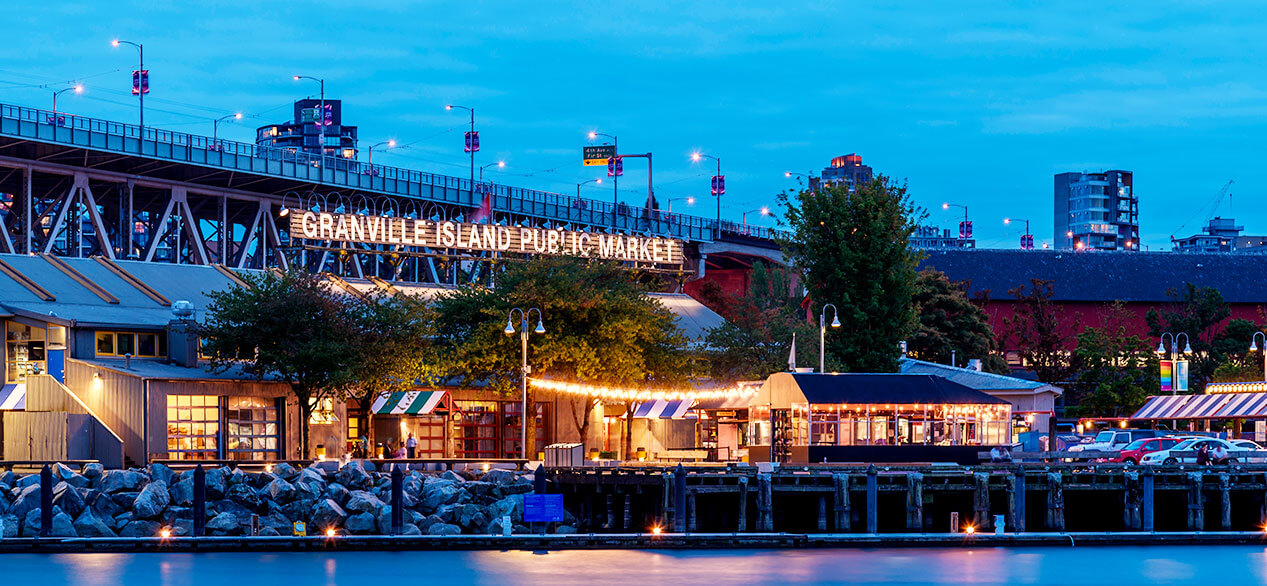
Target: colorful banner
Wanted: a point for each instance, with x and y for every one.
(1181, 376)
(1167, 372)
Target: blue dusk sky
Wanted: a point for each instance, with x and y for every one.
(977, 103)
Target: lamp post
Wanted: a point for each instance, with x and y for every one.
(615, 173)
(387, 143)
(963, 230)
(689, 201)
(498, 164)
(1026, 241)
(718, 187)
(1174, 352)
(765, 211)
(598, 181)
(822, 334)
(77, 88)
(321, 114)
(472, 147)
(1253, 345)
(143, 82)
(215, 125)
(523, 363)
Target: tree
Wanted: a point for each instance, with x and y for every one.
(854, 250)
(949, 321)
(756, 338)
(1197, 312)
(393, 350)
(601, 328)
(288, 326)
(1115, 370)
(1034, 330)
(1238, 363)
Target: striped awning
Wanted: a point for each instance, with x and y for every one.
(1200, 407)
(662, 409)
(1244, 405)
(1160, 407)
(13, 397)
(407, 403)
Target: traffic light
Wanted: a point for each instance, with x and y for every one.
(965, 230)
(140, 82)
(472, 142)
(615, 166)
(719, 185)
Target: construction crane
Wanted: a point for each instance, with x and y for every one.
(1212, 207)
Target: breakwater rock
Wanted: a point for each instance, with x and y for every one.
(353, 499)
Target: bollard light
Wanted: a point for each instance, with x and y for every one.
(165, 533)
(655, 530)
(330, 532)
(970, 530)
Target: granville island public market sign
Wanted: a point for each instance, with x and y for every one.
(361, 229)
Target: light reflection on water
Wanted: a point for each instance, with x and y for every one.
(1120, 566)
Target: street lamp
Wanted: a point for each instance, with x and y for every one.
(718, 186)
(615, 174)
(471, 144)
(215, 124)
(523, 364)
(690, 201)
(598, 181)
(77, 88)
(1026, 242)
(822, 334)
(143, 80)
(765, 211)
(498, 164)
(387, 143)
(1174, 351)
(321, 114)
(963, 228)
(1253, 346)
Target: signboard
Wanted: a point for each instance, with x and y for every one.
(615, 166)
(597, 155)
(1166, 376)
(140, 82)
(719, 185)
(1181, 376)
(483, 237)
(965, 230)
(543, 508)
(472, 142)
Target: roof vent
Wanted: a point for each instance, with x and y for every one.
(183, 309)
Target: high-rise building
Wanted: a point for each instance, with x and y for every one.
(303, 133)
(1096, 211)
(847, 170)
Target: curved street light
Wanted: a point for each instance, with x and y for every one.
(524, 315)
(822, 334)
(1024, 245)
(689, 201)
(1174, 351)
(215, 124)
(697, 157)
(471, 148)
(614, 175)
(598, 181)
(765, 211)
(77, 88)
(321, 113)
(387, 143)
(1253, 346)
(144, 88)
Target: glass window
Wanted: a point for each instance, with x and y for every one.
(105, 343)
(476, 433)
(25, 351)
(124, 344)
(147, 345)
(253, 429)
(193, 427)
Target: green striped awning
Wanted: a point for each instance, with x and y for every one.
(407, 403)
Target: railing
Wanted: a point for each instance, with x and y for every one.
(85, 132)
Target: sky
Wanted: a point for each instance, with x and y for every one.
(975, 103)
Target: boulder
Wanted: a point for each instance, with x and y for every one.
(182, 492)
(244, 495)
(116, 481)
(313, 473)
(453, 476)
(120, 520)
(279, 490)
(285, 472)
(297, 510)
(63, 525)
(182, 528)
(27, 500)
(512, 505)
(499, 477)
(90, 525)
(230, 506)
(161, 473)
(224, 523)
(8, 478)
(444, 529)
(152, 500)
(271, 532)
(93, 472)
(410, 529)
(68, 498)
(309, 489)
(362, 523)
(4, 501)
(139, 528)
(436, 493)
(216, 485)
(413, 486)
(327, 513)
(9, 526)
(337, 492)
(28, 480)
(469, 516)
(237, 476)
(520, 485)
(565, 530)
(125, 499)
(354, 476)
(427, 522)
(481, 491)
(360, 501)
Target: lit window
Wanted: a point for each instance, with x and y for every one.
(349, 153)
(323, 413)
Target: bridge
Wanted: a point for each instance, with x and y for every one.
(79, 186)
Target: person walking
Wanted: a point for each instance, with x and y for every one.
(411, 445)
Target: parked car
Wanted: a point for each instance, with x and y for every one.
(1136, 450)
(1247, 444)
(1235, 453)
(1111, 440)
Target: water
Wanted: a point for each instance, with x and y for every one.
(1118, 566)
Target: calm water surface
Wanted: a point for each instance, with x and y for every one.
(1225, 565)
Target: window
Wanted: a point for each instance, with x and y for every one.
(142, 345)
(193, 427)
(323, 413)
(25, 351)
(253, 429)
(476, 429)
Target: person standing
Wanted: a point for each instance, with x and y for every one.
(411, 445)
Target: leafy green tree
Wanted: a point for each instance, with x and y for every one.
(1197, 312)
(1034, 330)
(1238, 363)
(756, 338)
(949, 321)
(394, 350)
(601, 328)
(854, 250)
(1116, 371)
(287, 326)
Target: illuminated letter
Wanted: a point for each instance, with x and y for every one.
(420, 232)
(446, 236)
(310, 225)
(524, 236)
(341, 228)
(327, 225)
(552, 242)
(583, 241)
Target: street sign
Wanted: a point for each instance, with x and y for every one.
(472, 142)
(597, 155)
(141, 82)
(543, 508)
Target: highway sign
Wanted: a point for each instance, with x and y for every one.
(597, 155)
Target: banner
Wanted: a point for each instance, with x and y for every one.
(1181, 376)
(1166, 374)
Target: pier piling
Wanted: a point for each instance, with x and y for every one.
(1055, 502)
(914, 501)
(873, 498)
(840, 484)
(200, 501)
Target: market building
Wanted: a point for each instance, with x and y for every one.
(1033, 402)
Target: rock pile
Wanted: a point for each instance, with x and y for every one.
(354, 499)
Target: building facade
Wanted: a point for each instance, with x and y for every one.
(1096, 211)
(304, 132)
(847, 170)
(1218, 235)
(930, 237)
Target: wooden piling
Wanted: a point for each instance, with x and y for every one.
(691, 517)
(840, 482)
(1016, 500)
(1146, 500)
(914, 501)
(873, 500)
(822, 514)
(628, 517)
(1196, 501)
(743, 505)
(981, 500)
(1225, 501)
(765, 503)
(611, 513)
(1055, 502)
(1131, 500)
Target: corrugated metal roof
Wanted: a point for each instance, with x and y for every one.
(982, 381)
(881, 388)
(155, 369)
(692, 316)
